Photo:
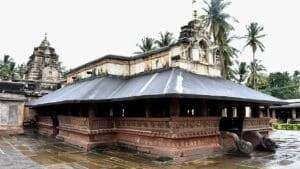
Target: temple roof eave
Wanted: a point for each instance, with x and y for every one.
(170, 96)
(170, 83)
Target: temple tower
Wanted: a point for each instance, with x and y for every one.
(43, 65)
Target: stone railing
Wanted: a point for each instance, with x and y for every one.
(256, 123)
(177, 127)
(101, 123)
(45, 120)
(184, 124)
(79, 123)
(85, 123)
(149, 124)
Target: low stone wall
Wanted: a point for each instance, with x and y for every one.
(11, 113)
(45, 125)
(257, 124)
(174, 137)
(85, 132)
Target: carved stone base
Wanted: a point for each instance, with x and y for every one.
(84, 139)
(260, 140)
(11, 130)
(175, 148)
(45, 130)
(236, 144)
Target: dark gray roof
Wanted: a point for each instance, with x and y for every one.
(288, 106)
(168, 83)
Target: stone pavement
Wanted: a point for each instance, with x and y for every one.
(34, 152)
(31, 151)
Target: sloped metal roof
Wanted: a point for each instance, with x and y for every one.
(168, 83)
(288, 106)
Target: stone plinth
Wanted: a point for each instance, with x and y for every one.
(179, 137)
(45, 125)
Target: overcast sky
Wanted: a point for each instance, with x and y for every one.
(83, 30)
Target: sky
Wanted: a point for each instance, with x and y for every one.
(83, 30)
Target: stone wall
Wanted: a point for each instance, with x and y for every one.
(151, 62)
(11, 113)
(176, 137)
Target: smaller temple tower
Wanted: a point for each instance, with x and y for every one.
(43, 66)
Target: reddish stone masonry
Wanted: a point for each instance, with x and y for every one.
(174, 137)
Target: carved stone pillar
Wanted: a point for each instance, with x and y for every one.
(204, 109)
(92, 108)
(294, 114)
(268, 111)
(147, 109)
(274, 114)
(224, 112)
(175, 107)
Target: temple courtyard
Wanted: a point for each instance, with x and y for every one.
(34, 151)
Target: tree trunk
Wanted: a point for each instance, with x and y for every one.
(254, 72)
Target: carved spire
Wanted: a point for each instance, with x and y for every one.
(195, 10)
(45, 42)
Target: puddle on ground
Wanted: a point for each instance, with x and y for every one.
(33, 151)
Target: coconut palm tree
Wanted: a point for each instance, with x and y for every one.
(166, 39)
(227, 52)
(255, 76)
(147, 44)
(253, 37)
(216, 19)
(241, 72)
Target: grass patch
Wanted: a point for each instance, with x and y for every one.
(284, 126)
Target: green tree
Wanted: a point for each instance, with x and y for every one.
(146, 45)
(227, 52)
(217, 21)
(20, 71)
(256, 74)
(7, 68)
(241, 73)
(166, 39)
(281, 85)
(253, 37)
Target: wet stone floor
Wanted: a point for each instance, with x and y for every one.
(34, 152)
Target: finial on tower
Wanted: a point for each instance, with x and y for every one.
(195, 11)
(45, 42)
(46, 35)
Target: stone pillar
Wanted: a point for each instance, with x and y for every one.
(248, 112)
(268, 112)
(234, 112)
(147, 109)
(224, 112)
(111, 112)
(175, 107)
(273, 114)
(294, 114)
(204, 109)
(261, 113)
(92, 110)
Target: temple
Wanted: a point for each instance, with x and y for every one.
(43, 68)
(43, 75)
(168, 102)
